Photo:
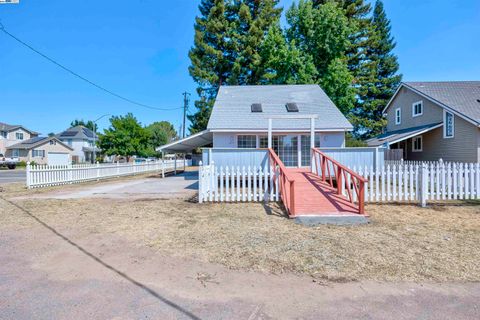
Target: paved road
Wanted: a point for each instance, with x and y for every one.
(9, 176)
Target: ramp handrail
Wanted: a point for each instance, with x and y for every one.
(286, 182)
(344, 178)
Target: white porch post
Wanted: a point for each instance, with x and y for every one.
(269, 132)
(312, 143)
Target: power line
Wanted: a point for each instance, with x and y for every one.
(2, 28)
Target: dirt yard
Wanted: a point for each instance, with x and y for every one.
(402, 242)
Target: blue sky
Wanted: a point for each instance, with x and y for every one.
(139, 48)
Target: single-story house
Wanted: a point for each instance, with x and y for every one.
(82, 140)
(12, 134)
(434, 120)
(243, 116)
(41, 150)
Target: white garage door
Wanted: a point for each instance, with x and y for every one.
(56, 158)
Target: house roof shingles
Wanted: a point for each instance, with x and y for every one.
(461, 96)
(9, 127)
(36, 142)
(232, 108)
(78, 132)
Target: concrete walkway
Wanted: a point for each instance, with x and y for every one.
(154, 187)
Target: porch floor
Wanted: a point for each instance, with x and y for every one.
(316, 198)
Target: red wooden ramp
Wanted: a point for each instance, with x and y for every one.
(312, 196)
(331, 190)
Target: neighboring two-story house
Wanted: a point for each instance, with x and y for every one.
(82, 141)
(434, 120)
(13, 134)
(19, 142)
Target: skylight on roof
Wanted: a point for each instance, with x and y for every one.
(256, 107)
(292, 107)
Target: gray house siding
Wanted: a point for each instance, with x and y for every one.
(404, 100)
(462, 148)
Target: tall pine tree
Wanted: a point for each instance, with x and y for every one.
(384, 77)
(322, 31)
(228, 37)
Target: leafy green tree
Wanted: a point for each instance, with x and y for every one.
(253, 20)
(161, 133)
(283, 62)
(228, 37)
(322, 32)
(386, 78)
(125, 137)
(80, 122)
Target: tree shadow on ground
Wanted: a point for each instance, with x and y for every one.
(125, 276)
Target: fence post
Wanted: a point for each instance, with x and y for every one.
(118, 169)
(28, 175)
(200, 181)
(98, 171)
(423, 186)
(163, 168)
(175, 164)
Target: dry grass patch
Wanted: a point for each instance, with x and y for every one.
(402, 242)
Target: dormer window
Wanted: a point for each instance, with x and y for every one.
(256, 107)
(417, 109)
(19, 135)
(292, 107)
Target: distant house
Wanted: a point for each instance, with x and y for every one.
(41, 150)
(433, 120)
(12, 134)
(82, 141)
(243, 116)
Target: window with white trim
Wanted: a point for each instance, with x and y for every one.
(15, 153)
(19, 135)
(3, 134)
(417, 109)
(38, 153)
(417, 144)
(448, 125)
(398, 116)
(246, 141)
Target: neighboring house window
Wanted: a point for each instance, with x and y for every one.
(15, 153)
(417, 144)
(19, 135)
(38, 153)
(398, 116)
(448, 125)
(69, 142)
(53, 142)
(3, 134)
(417, 109)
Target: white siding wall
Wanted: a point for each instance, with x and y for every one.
(327, 139)
(224, 140)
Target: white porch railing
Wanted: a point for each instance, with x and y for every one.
(236, 184)
(39, 176)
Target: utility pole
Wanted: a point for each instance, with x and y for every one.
(186, 100)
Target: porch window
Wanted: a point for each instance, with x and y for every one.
(398, 116)
(19, 135)
(247, 141)
(448, 125)
(417, 144)
(305, 147)
(417, 109)
(38, 153)
(15, 153)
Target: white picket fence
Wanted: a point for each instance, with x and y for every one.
(237, 184)
(39, 176)
(422, 182)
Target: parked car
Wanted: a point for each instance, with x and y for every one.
(11, 163)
